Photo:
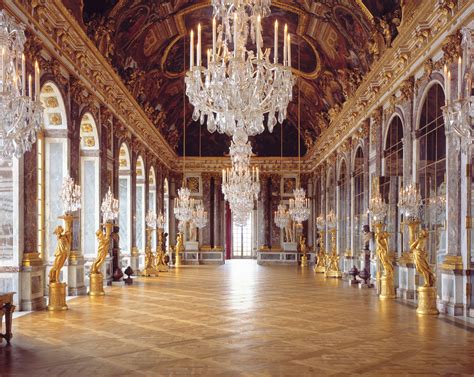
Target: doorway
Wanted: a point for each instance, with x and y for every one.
(242, 239)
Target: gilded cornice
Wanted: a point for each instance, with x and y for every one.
(63, 38)
(422, 35)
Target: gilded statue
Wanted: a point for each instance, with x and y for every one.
(381, 238)
(149, 258)
(61, 253)
(332, 263)
(290, 232)
(179, 244)
(420, 257)
(303, 247)
(104, 242)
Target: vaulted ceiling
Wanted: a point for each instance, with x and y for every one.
(146, 42)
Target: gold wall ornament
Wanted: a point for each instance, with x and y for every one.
(55, 119)
(387, 290)
(57, 289)
(96, 276)
(332, 267)
(149, 269)
(426, 293)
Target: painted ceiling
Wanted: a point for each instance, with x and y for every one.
(146, 42)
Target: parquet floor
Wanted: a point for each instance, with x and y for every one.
(239, 319)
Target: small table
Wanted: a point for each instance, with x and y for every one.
(6, 309)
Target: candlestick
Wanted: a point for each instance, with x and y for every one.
(459, 77)
(199, 46)
(275, 44)
(191, 53)
(30, 86)
(236, 37)
(445, 71)
(259, 32)
(37, 74)
(448, 91)
(23, 75)
(289, 50)
(214, 38)
(285, 49)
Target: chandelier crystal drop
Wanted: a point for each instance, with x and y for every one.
(239, 86)
(183, 205)
(299, 206)
(282, 217)
(109, 207)
(199, 215)
(70, 195)
(21, 110)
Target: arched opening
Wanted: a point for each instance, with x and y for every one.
(53, 166)
(140, 210)
(431, 170)
(152, 199)
(344, 208)
(125, 211)
(359, 205)
(166, 213)
(90, 184)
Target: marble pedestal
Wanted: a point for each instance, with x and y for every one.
(76, 273)
(406, 285)
(290, 246)
(191, 253)
(32, 288)
(452, 291)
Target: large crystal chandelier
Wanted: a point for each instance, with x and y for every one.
(160, 221)
(183, 205)
(151, 219)
(299, 206)
(109, 207)
(21, 111)
(199, 215)
(281, 216)
(70, 195)
(238, 87)
(240, 183)
(378, 208)
(410, 202)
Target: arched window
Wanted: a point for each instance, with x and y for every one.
(152, 199)
(360, 216)
(90, 184)
(330, 191)
(432, 165)
(53, 166)
(166, 213)
(125, 211)
(140, 209)
(344, 207)
(391, 181)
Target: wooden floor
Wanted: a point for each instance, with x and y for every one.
(237, 319)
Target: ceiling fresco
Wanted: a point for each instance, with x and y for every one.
(334, 42)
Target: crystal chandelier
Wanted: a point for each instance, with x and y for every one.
(320, 222)
(70, 195)
(282, 217)
(21, 111)
(238, 87)
(410, 202)
(199, 215)
(151, 219)
(378, 208)
(331, 219)
(160, 221)
(183, 205)
(109, 207)
(299, 206)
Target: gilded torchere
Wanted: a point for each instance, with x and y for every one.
(160, 264)
(320, 265)
(387, 290)
(426, 293)
(303, 251)
(149, 269)
(332, 268)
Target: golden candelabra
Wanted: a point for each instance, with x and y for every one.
(320, 265)
(57, 289)
(160, 264)
(96, 276)
(387, 289)
(332, 267)
(149, 269)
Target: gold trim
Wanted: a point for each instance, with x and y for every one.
(365, 10)
(32, 260)
(451, 263)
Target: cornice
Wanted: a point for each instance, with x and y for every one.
(66, 41)
(419, 38)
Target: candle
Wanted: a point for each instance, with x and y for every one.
(259, 32)
(459, 77)
(448, 90)
(285, 51)
(23, 75)
(236, 37)
(275, 44)
(191, 53)
(37, 80)
(214, 38)
(289, 50)
(199, 46)
(30, 86)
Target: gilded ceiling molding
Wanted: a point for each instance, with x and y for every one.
(66, 41)
(433, 15)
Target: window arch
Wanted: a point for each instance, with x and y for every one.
(166, 213)
(359, 205)
(125, 210)
(344, 207)
(53, 165)
(152, 199)
(90, 183)
(140, 209)
(393, 151)
(431, 169)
